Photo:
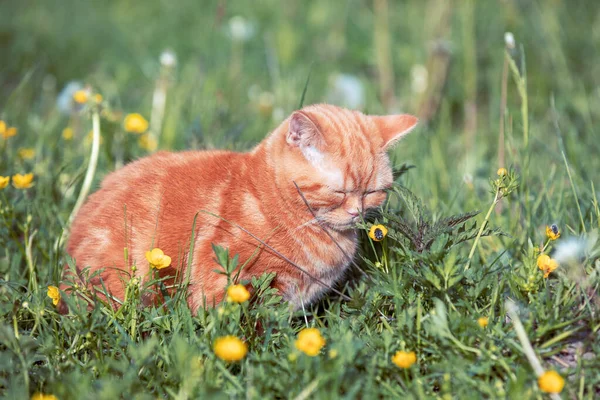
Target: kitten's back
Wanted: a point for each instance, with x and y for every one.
(149, 203)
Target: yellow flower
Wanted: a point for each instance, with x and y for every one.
(80, 96)
(546, 264)
(157, 258)
(230, 348)
(54, 294)
(551, 382)
(135, 123)
(333, 353)
(502, 172)
(22, 181)
(404, 359)
(12, 131)
(67, 133)
(552, 232)
(4, 181)
(147, 142)
(237, 294)
(26, 153)
(483, 321)
(98, 98)
(310, 341)
(7, 132)
(41, 396)
(378, 232)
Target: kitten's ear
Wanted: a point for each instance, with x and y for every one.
(393, 127)
(303, 131)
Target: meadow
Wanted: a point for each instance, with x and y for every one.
(452, 303)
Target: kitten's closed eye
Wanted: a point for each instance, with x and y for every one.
(374, 199)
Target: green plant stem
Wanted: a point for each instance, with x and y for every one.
(535, 363)
(574, 192)
(91, 170)
(482, 227)
(464, 347)
(29, 256)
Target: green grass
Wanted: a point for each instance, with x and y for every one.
(225, 93)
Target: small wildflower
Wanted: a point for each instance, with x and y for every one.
(67, 133)
(26, 153)
(551, 382)
(333, 353)
(7, 132)
(147, 142)
(546, 264)
(378, 232)
(310, 341)
(80, 96)
(22, 181)
(54, 294)
(552, 232)
(42, 396)
(237, 294)
(483, 321)
(135, 123)
(4, 180)
(502, 172)
(98, 98)
(404, 359)
(230, 348)
(157, 258)
(65, 102)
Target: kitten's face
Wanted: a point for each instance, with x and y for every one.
(346, 169)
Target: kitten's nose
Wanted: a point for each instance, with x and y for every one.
(354, 213)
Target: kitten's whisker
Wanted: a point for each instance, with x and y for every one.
(293, 264)
(351, 259)
(307, 223)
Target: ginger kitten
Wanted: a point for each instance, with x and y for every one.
(338, 159)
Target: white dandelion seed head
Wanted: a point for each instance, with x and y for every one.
(64, 100)
(240, 29)
(346, 90)
(468, 179)
(509, 40)
(419, 77)
(570, 250)
(168, 58)
(278, 114)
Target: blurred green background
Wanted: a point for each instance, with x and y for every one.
(115, 46)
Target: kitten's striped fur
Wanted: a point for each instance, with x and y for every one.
(337, 157)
